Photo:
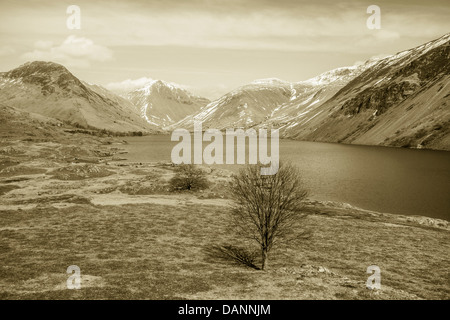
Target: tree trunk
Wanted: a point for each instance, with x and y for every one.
(264, 259)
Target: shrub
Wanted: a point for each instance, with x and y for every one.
(189, 177)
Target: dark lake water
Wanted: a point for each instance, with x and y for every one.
(402, 181)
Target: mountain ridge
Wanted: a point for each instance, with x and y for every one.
(356, 104)
(49, 89)
(404, 89)
(163, 103)
(399, 100)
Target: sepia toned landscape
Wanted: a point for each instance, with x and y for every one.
(66, 201)
(87, 180)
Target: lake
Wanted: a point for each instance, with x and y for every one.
(393, 180)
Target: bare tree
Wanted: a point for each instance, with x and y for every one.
(267, 208)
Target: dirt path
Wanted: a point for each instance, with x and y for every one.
(117, 199)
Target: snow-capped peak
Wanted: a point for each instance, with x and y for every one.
(331, 76)
(270, 81)
(147, 88)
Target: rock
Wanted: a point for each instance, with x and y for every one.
(324, 270)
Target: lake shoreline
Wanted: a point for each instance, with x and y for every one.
(403, 181)
(71, 203)
(447, 149)
(420, 219)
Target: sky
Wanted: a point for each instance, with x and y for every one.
(211, 46)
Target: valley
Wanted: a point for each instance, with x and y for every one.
(400, 100)
(69, 199)
(85, 180)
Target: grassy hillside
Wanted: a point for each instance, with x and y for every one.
(65, 204)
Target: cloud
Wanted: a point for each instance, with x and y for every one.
(6, 51)
(73, 52)
(128, 85)
(210, 91)
(285, 25)
(387, 35)
(43, 45)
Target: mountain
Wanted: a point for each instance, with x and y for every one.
(49, 89)
(401, 100)
(271, 102)
(243, 107)
(18, 124)
(162, 103)
(310, 94)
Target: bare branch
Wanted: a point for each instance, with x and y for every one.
(267, 207)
